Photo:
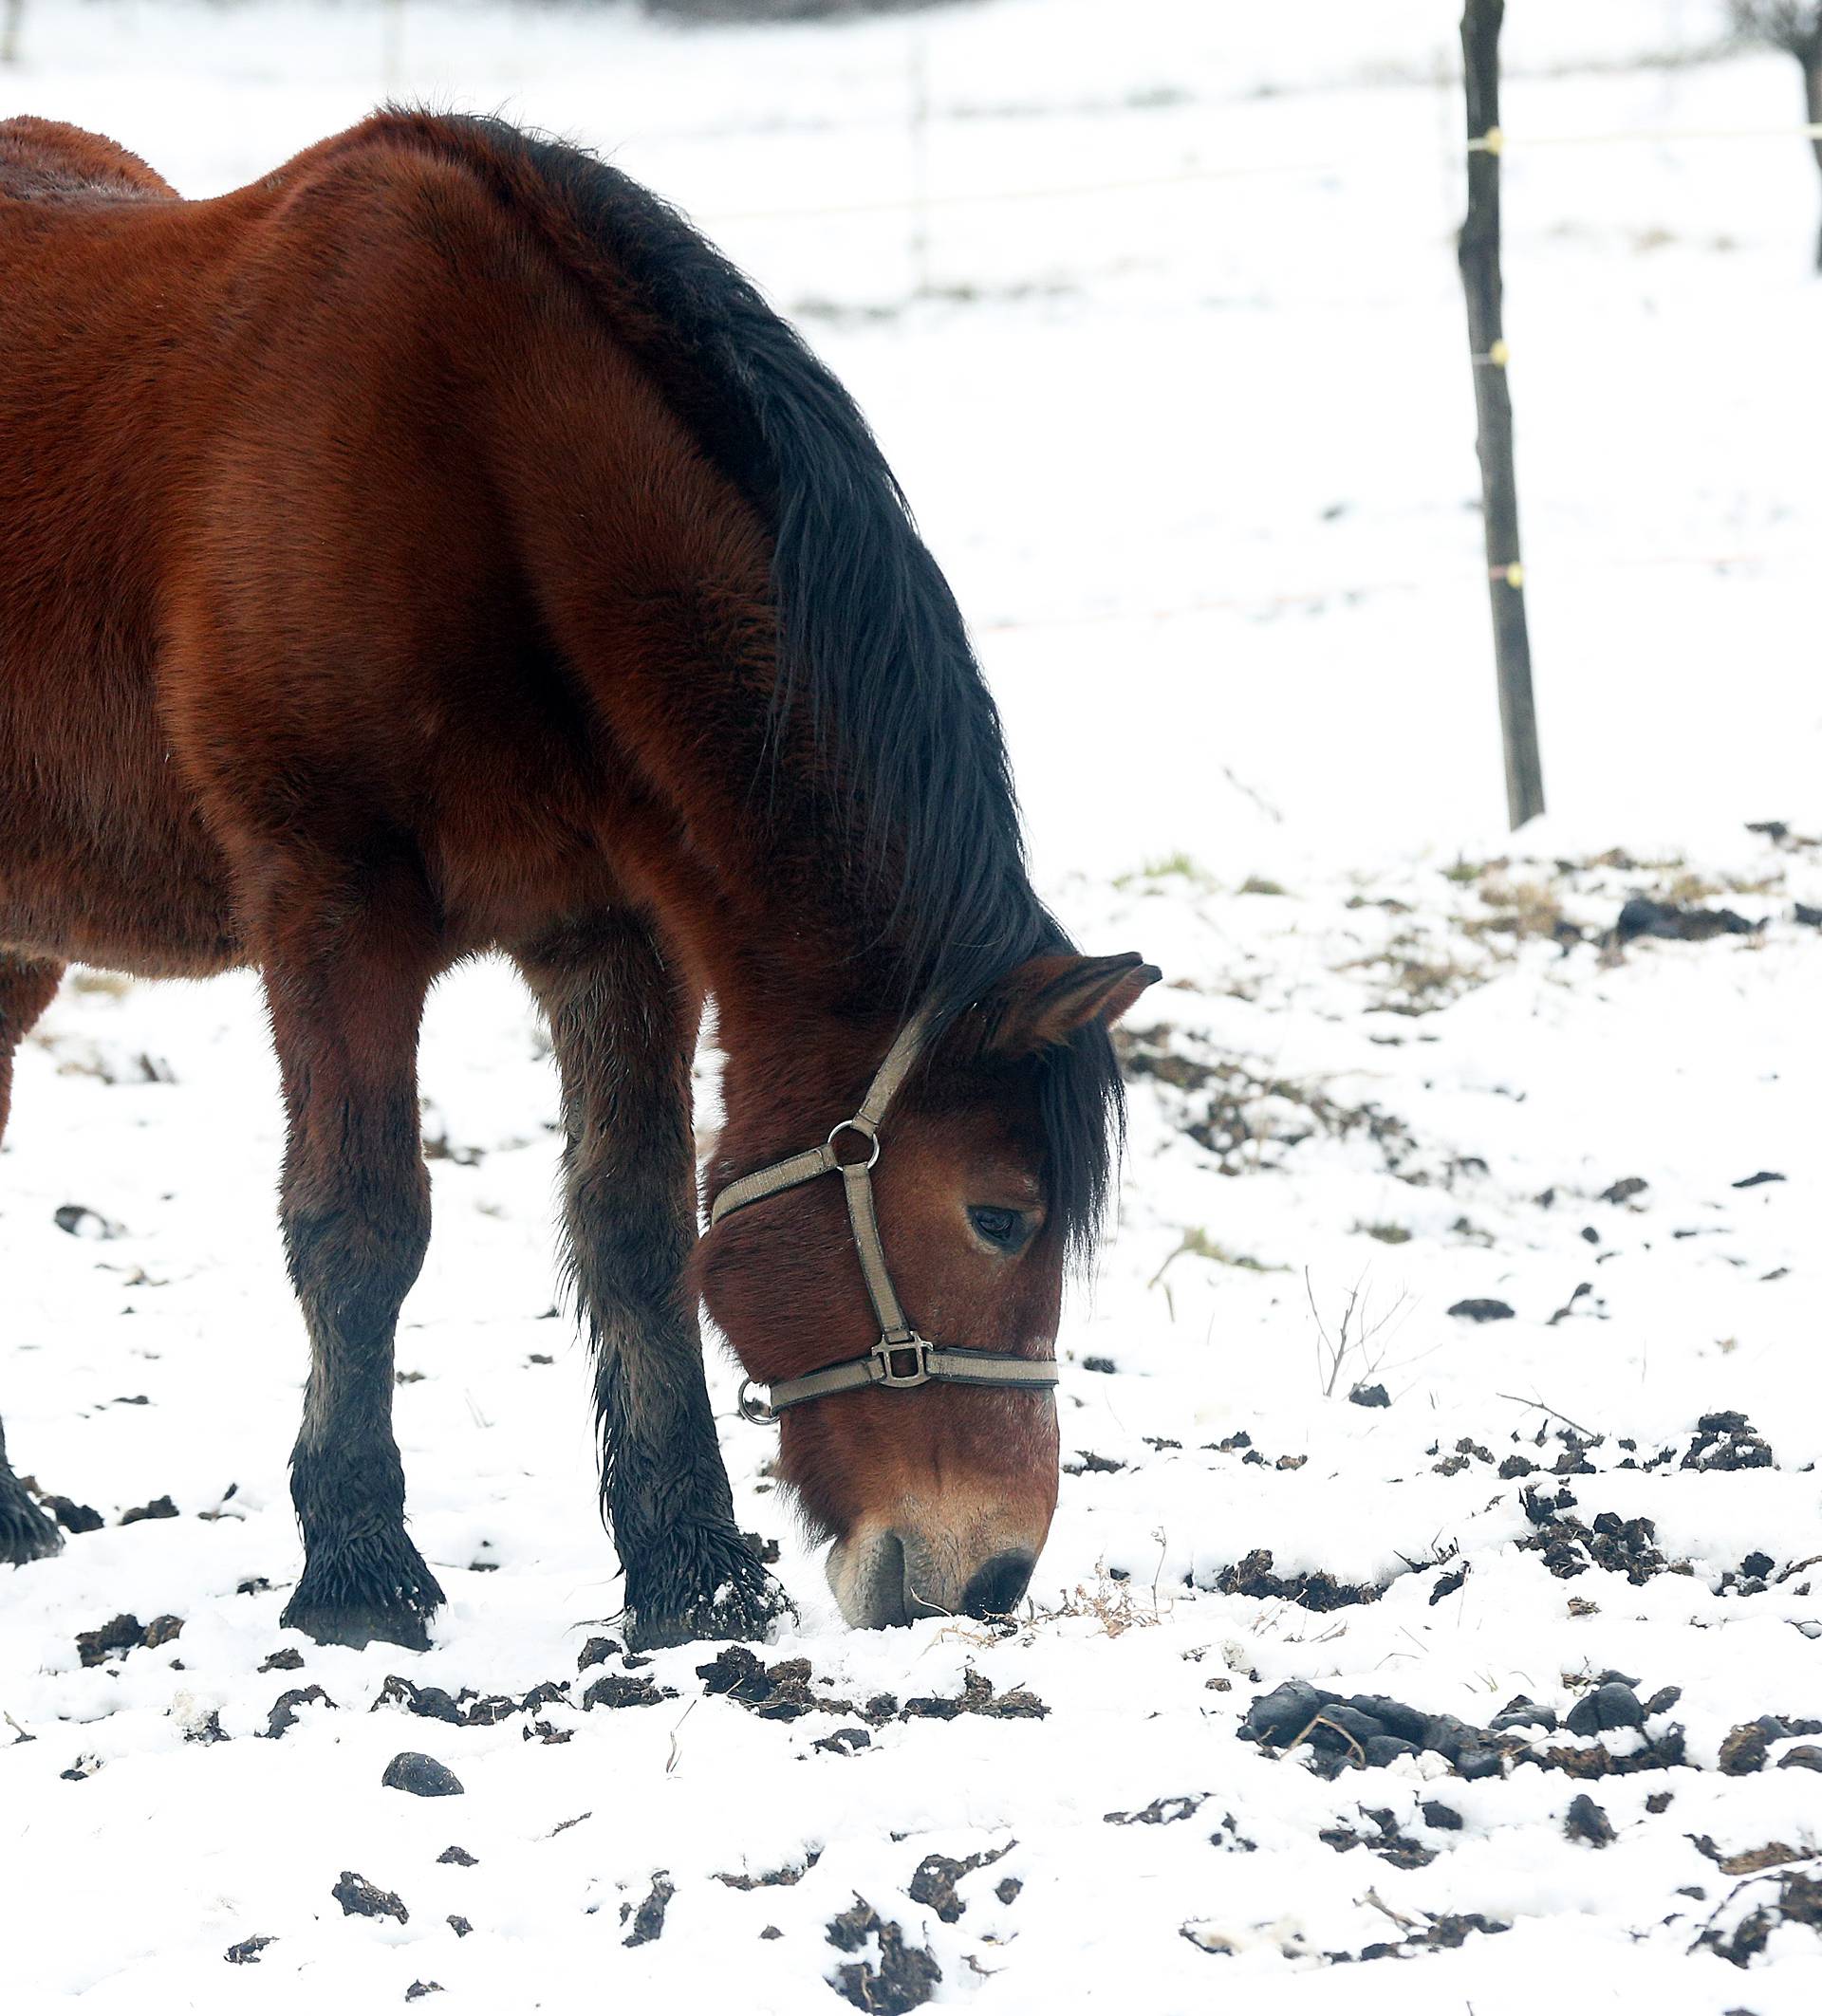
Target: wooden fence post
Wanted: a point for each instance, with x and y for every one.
(1478, 253)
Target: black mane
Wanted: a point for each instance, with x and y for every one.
(871, 644)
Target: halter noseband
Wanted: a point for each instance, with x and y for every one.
(901, 1359)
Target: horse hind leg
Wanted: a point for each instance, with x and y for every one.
(622, 1029)
(27, 987)
(346, 970)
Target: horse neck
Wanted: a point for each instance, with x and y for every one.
(799, 961)
(755, 885)
(737, 835)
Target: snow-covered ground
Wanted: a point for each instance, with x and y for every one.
(1199, 457)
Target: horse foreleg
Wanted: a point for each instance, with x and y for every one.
(346, 980)
(622, 1025)
(26, 989)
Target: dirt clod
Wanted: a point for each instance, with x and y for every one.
(1180, 1806)
(1390, 1842)
(1482, 1309)
(246, 1953)
(435, 1702)
(159, 1508)
(460, 1856)
(977, 1698)
(1282, 1716)
(785, 1879)
(119, 1635)
(933, 1882)
(412, 1771)
(285, 1709)
(361, 1899)
(1640, 917)
(905, 1976)
(124, 1633)
(1743, 1749)
(1745, 1861)
(1796, 1900)
(625, 1690)
(1569, 1547)
(775, 1693)
(1521, 1711)
(1613, 1707)
(1727, 1441)
(1585, 1822)
(469, 1709)
(649, 1920)
(1252, 1575)
(286, 1659)
(1341, 1732)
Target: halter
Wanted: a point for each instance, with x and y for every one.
(901, 1359)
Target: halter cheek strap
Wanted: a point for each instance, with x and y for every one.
(901, 1359)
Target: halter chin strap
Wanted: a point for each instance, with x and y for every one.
(901, 1359)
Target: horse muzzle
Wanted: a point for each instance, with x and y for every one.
(896, 1573)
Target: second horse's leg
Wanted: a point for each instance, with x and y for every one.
(25, 1533)
(346, 972)
(624, 1028)
(26, 989)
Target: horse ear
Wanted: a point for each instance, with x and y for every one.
(1044, 1002)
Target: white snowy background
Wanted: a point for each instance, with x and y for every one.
(1185, 411)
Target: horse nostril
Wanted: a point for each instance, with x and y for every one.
(998, 1586)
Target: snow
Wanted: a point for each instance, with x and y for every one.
(1199, 458)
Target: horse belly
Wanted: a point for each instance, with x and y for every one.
(104, 856)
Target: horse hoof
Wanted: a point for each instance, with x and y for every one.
(741, 1602)
(25, 1533)
(374, 1590)
(358, 1624)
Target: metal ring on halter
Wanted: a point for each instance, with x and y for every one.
(866, 1134)
(758, 1412)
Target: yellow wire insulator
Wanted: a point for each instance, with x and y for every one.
(1499, 353)
(1492, 141)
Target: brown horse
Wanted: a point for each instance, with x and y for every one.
(437, 547)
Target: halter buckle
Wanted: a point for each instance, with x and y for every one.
(885, 1369)
(866, 1132)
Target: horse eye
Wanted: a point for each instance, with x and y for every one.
(998, 1226)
